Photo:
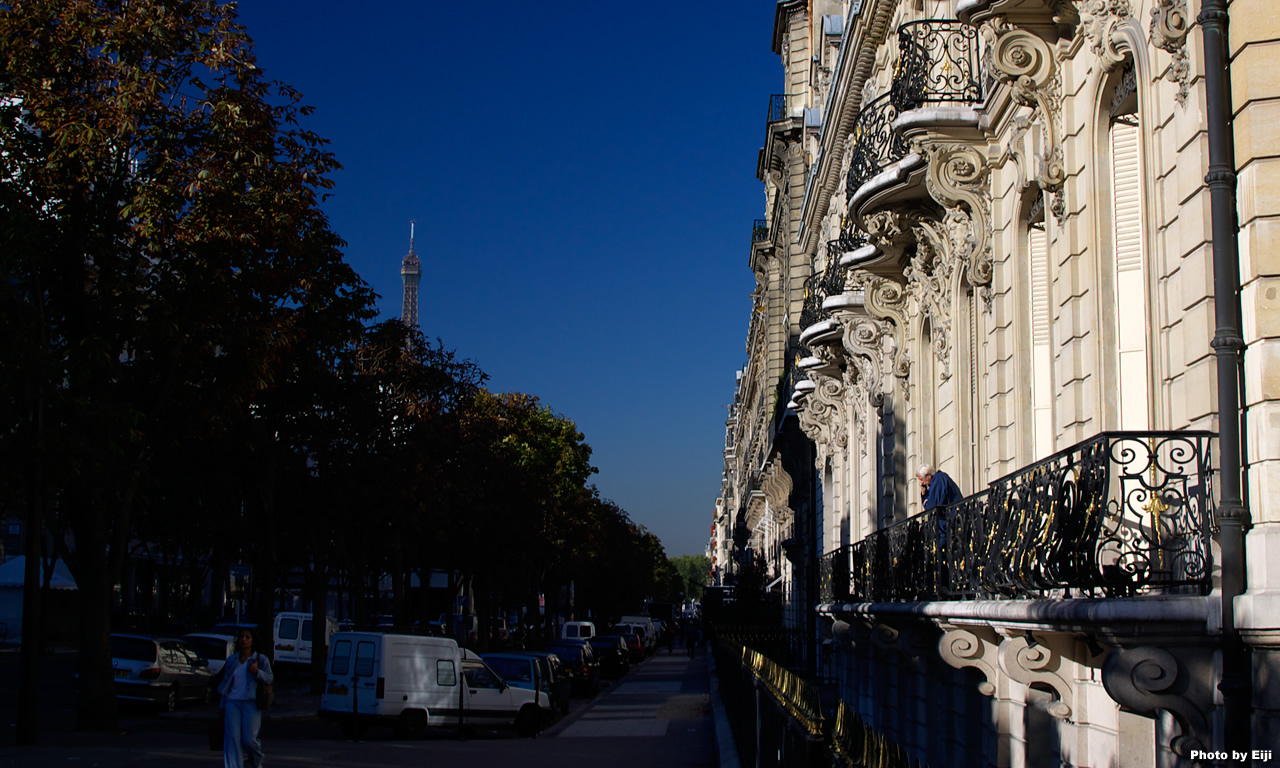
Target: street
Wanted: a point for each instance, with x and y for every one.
(659, 714)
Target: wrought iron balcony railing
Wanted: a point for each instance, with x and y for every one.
(940, 62)
(1122, 514)
(777, 107)
(830, 281)
(759, 230)
(875, 145)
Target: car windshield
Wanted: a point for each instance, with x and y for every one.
(133, 649)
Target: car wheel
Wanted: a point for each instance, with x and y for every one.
(527, 722)
(170, 700)
(411, 724)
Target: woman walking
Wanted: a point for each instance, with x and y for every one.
(244, 670)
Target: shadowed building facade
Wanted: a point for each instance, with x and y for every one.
(1030, 243)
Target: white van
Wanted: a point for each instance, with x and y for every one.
(650, 631)
(577, 630)
(411, 683)
(292, 637)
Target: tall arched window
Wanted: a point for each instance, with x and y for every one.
(1132, 356)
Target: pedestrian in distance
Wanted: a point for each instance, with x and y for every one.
(243, 672)
(691, 635)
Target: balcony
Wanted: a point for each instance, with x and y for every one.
(1120, 515)
(829, 282)
(875, 144)
(759, 231)
(777, 108)
(937, 88)
(940, 64)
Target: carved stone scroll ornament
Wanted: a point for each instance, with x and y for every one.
(874, 343)
(1099, 20)
(777, 485)
(1038, 664)
(824, 417)
(887, 300)
(1028, 65)
(1168, 32)
(962, 647)
(1147, 679)
(929, 280)
(957, 179)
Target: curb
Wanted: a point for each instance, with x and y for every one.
(725, 749)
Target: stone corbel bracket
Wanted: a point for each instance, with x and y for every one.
(777, 485)
(824, 417)
(974, 647)
(1029, 66)
(1170, 23)
(929, 280)
(886, 300)
(1147, 678)
(957, 180)
(1100, 21)
(1039, 664)
(869, 344)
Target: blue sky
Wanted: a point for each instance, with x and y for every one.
(582, 175)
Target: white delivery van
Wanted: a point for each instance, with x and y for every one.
(412, 683)
(292, 637)
(650, 631)
(577, 630)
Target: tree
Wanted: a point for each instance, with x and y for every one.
(693, 570)
(164, 253)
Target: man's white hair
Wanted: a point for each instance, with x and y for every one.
(924, 470)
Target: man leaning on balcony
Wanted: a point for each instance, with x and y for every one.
(937, 489)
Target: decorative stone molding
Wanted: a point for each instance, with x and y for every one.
(1039, 664)
(887, 300)
(777, 485)
(824, 417)
(1099, 20)
(1148, 678)
(957, 179)
(1168, 32)
(1029, 66)
(870, 341)
(974, 647)
(929, 280)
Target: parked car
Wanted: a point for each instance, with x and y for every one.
(215, 649)
(163, 671)
(525, 672)
(581, 661)
(635, 643)
(560, 684)
(613, 655)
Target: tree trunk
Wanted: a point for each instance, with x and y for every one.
(97, 701)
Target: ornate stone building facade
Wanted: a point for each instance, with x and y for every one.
(1030, 243)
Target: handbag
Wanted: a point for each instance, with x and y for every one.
(266, 695)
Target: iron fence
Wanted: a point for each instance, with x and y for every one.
(777, 107)
(876, 145)
(1121, 514)
(940, 62)
(777, 716)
